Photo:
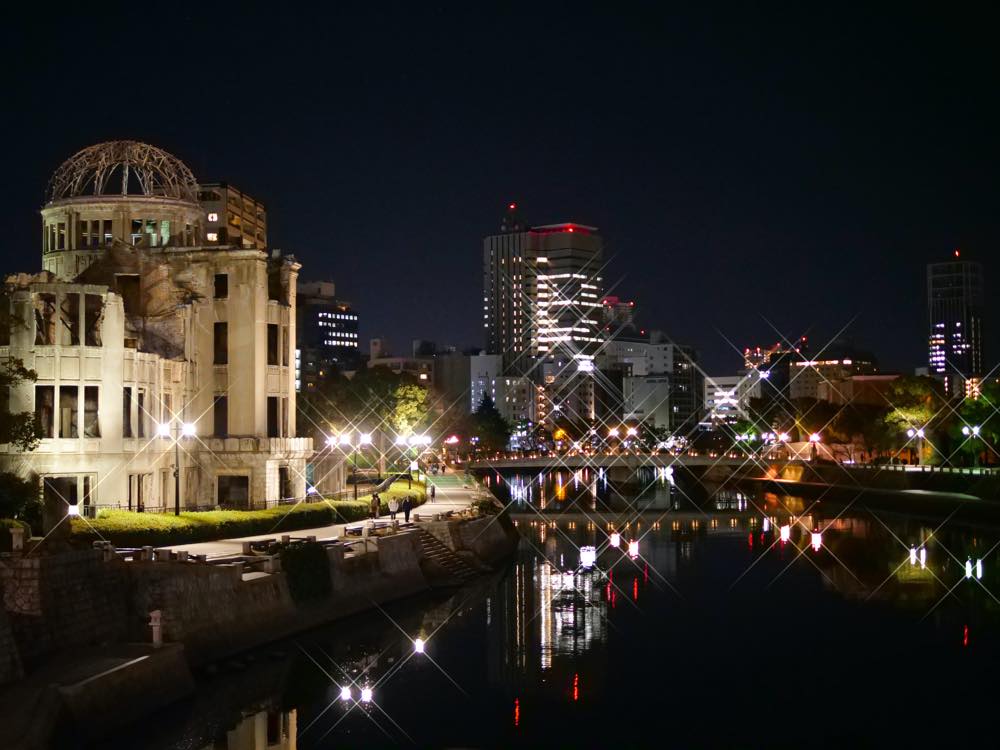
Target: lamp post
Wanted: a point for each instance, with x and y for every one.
(813, 440)
(179, 430)
(364, 438)
(918, 433)
(973, 433)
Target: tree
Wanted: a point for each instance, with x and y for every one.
(982, 413)
(17, 428)
(19, 496)
(408, 408)
(489, 426)
(916, 403)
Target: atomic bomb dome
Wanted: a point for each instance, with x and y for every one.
(123, 192)
(122, 168)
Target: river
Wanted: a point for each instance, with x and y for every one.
(739, 618)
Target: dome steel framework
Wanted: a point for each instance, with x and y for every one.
(109, 168)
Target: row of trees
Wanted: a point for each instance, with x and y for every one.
(881, 430)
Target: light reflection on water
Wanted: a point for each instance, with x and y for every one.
(716, 602)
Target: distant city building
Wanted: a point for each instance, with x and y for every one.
(761, 357)
(378, 348)
(872, 390)
(647, 399)
(232, 217)
(838, 363)
(541, 292)
(327, 331)
(651, 355)
(955, 303)
(617, 313)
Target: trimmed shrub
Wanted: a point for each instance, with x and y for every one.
(127, 529)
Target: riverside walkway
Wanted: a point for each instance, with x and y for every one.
(450, 495)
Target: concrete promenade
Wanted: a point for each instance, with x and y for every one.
(450, 495)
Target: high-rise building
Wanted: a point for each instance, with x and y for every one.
(541, 292)
(232, 217)
(327, 331)
(955, 309)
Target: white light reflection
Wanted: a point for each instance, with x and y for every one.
(615, 539)
(366, 695)
(786, 533)
(633, 549)
(588, 556)
(817, 540)
(345, 693)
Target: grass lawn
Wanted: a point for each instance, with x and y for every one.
(128, 529)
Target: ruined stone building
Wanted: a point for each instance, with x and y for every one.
(137, 326)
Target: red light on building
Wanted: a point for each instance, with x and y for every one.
(957, 252)
(512, 206)
(965, 636)
(569, 229)
(517, 712)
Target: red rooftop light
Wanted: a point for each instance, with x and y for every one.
(956, 252)
(512, 206)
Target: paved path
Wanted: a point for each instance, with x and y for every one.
(450, 495)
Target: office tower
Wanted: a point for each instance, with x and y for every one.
(955, 311)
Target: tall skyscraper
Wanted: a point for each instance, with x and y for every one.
(955, 307)
(541, 292)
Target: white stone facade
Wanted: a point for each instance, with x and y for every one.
(129, 331)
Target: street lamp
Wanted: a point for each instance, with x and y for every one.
(813, 440)
(179, 429)
(972, 432)
(919, 434)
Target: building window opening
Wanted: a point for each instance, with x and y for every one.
(108, 234)
(221, 344)
(272, 344)
(69, 317)
(68, 404)
(45, 410)
(221, 286)
(61, 235)
(93, 311)
(127, 411)
(136, 234)
(45, 324)
(57, 494)
(284, 346)
(284, 483)
(141, 413)
(272, 416)
(220, 417)
(233, 491)
(91, 426)
(127, 285)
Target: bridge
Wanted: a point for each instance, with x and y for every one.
(612, 461)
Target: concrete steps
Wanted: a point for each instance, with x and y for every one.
(441, 564)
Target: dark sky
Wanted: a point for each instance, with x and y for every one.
(749, 167)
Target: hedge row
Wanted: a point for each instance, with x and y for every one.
(128, 529)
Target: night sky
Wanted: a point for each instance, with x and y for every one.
(752, 170)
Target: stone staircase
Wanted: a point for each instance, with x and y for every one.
(441, 565)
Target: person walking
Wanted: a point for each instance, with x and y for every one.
(374, 505)
(433, 489)
(393, 508)
(407, 507)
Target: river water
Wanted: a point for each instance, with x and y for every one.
(741, 618)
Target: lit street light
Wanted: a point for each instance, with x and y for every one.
(187, 430)
(919, 434)
(972, 432)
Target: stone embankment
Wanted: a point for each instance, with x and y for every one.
(80, 627)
